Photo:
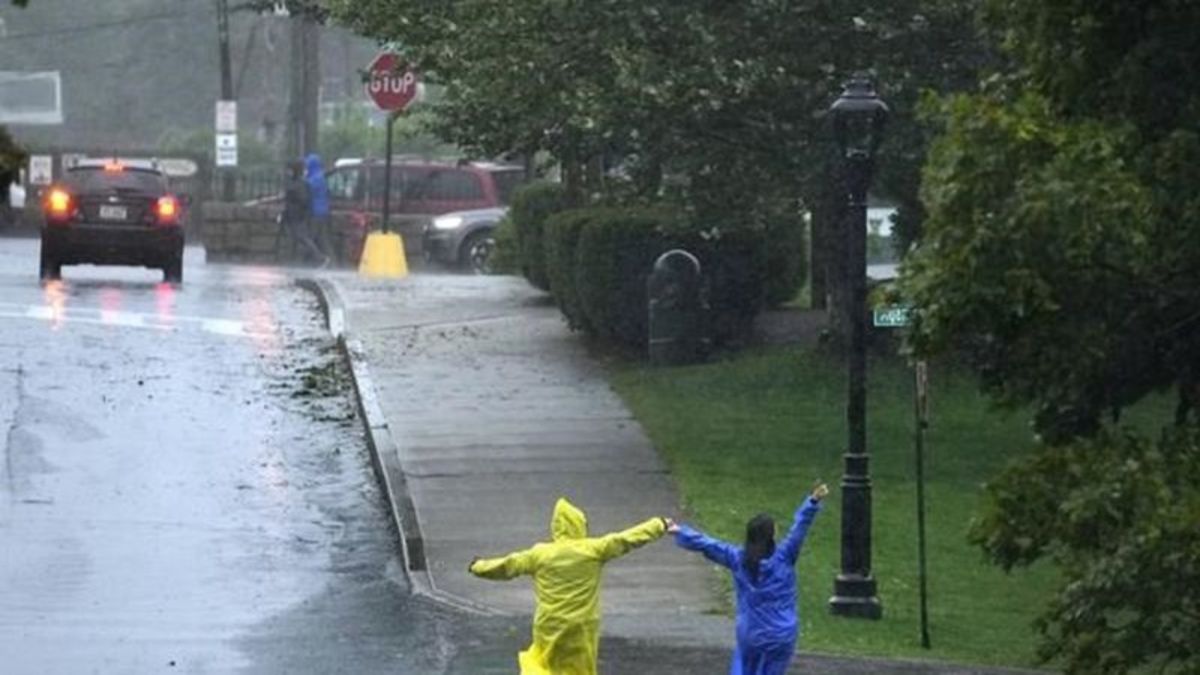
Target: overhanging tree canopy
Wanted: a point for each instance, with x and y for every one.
(1062, 258)
(728, 96)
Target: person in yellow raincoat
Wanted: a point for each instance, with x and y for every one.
(566, 582)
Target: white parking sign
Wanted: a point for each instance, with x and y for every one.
(227, 154)
(41, 169)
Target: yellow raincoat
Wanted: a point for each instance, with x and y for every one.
(566, 581)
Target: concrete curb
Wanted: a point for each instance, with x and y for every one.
(385, 454)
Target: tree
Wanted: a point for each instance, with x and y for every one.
(1061, 258)
(727, 99)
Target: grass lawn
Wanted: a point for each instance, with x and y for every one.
(755, 432)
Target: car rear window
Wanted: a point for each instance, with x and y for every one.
(99, 180)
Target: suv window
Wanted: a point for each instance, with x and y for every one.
(449, 185)
(97, 179)
(344, 185)
(507, 181)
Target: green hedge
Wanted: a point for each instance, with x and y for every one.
(616, 252)
(734, 262)
(561, 235)
(532, 205)
(506, 258)
(599, 259)
(787, 258)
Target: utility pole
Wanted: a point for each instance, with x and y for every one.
(304, 83)
(227, 187)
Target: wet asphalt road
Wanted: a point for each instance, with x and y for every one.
(185, 488)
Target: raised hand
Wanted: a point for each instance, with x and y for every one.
(672, 526)
(820, 492)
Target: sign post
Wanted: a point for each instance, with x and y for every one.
(899, 316)
(921, 410)
(226, 141)
(393, 86)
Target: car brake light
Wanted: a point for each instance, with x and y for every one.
(114, 167)
(167, 210)
(58, 203)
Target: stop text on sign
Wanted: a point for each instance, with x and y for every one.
(400, 83)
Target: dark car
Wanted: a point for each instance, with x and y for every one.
(112, 213)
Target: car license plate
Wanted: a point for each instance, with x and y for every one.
(112, 213)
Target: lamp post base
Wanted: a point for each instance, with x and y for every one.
(855, 596)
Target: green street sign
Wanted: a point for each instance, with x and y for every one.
(892, 316)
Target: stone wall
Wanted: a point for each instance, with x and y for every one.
(251, 234)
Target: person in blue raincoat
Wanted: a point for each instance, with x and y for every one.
(764, 578)
(320, 215)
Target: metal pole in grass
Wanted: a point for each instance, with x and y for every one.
(858, 117)
(921, 415)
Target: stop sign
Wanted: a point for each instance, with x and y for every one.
(391, 84)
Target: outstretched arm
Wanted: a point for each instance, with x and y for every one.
(805, 514)
(618, 544)
(720, 552)
(507, 567)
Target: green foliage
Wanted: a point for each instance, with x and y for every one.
(532, 205)
(615, 255)
(12, 155)
(1118, 514)
(200, 142)
(1040, 242)
(350, 134)
(599, 259)
(506, 257)
(1062, 258)
(561, 234)
(787, 258)
(733, 260)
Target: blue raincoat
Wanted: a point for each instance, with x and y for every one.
(318, 190)
(766, 608)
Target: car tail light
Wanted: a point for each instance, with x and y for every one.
(167, 210)
(59, 204)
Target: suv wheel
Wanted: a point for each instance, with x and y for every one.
(476, 252)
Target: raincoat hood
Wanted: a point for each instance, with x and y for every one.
(312, 166)
(318, 190)
(568, 521)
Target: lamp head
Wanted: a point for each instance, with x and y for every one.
(859, 118)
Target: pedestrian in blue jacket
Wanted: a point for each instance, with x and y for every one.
(764, 578)
(320, 215)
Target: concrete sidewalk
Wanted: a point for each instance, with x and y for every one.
(493, 410)
(496, 411)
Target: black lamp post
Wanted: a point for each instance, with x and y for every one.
(859, 117)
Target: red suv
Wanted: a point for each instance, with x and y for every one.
(420, 191)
